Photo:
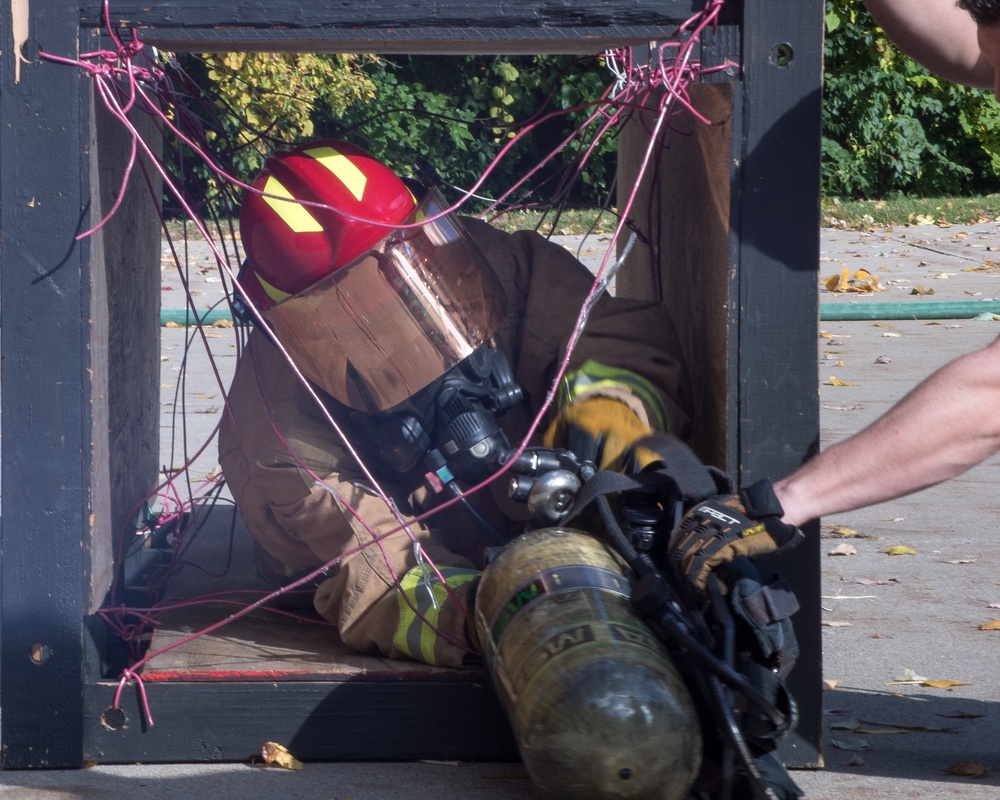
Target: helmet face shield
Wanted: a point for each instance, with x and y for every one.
(380, 329)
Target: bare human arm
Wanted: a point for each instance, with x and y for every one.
(939, 35)
(946, 425)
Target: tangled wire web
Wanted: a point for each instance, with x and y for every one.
(201, 248)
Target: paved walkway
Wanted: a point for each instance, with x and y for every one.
(888, 620)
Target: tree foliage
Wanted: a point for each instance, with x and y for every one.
(889, 126)
(264, 99)
(450, 114)
(455, 114)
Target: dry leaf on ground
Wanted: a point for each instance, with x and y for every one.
(273, 754)
(898, 550)
(837, 382)
(968, 769)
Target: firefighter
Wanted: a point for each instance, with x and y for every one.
(377, 298)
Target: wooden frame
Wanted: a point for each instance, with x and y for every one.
(63, 427)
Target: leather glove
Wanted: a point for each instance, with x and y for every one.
(599, 428)
(721, 529)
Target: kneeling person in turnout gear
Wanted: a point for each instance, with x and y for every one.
(412, 328)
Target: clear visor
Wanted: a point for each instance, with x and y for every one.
(380, 329)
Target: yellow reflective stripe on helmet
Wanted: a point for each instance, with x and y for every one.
(272, 291)
(340, 165)
(593, 376)
(295, 215)
(415, 636)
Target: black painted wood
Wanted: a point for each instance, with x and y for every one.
(777, 259)
(399, 720)
(452, 26)
(46, 409)
(282, 15)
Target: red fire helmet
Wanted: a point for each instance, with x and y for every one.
(315, 209)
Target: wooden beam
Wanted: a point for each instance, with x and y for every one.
(449, 26)
(398, 720)
(52, 415)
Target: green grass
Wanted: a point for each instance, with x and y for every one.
(571, 221)
(869, 214)
(834, 212)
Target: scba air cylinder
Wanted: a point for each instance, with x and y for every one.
(597, 707)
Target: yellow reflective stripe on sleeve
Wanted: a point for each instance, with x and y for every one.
(415, 636)
(347, 171)
(593, 376)
(295, 215)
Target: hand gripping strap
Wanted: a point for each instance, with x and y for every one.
(677, 463)
(726, 525)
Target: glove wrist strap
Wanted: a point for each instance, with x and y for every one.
(759, 500)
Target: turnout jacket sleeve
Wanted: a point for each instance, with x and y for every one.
(546, 287)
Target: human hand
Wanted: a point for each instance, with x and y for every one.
(720, 529)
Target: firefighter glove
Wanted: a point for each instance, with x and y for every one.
(721, 529)
(597, 428)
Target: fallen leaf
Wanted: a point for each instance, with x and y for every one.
(909, 676)
(961, 715)
(841, 531)
(921, 290)
(873, 582)
(831, 683)
(222, 323)
(946, 683)
(899, 550)
(171, 324)
(848, 597)
(851, 744)
(835, 624)
(861, 281)
(883, 360)
(992, 625)
(844, 549)
(892, 335)
(837, 382)
(854, 761)
(960, 561)
(273, 754)
(968, 769)
(914, 728)
(878, 731)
